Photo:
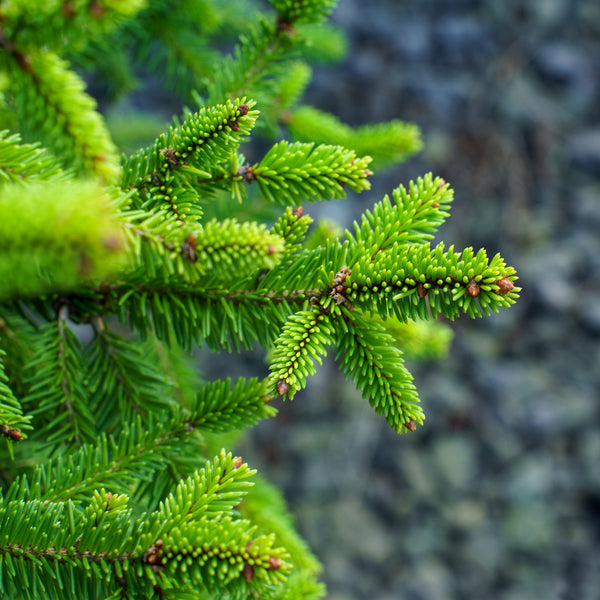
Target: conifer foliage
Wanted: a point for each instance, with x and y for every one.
(112, 270)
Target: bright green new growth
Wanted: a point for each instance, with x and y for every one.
(111, 274)
(57, 236)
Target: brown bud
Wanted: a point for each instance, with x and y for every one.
(282, 387)
(243, 109)
(421, 290)
(298, 212)
(248, 572)
(435, 204)
(272, 249)
(170, 155)
(285, 25)
(233, 125)
(410, 425)
(12, 434)
(441, 184)
(274, 563)
(473, 289)
(246, 172)
(505, 285)
(237, 463)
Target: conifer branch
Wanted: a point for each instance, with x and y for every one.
(164, 174)
(254, 66)
(13, 423)
(302, 11)
(431, 282)
(66, 24)
(194, 525)
(412, 218)
(387, 143)
(56, 385)
(55, 237)
(210, 492)
(220, 318)
(292, 173)
(302, 342)
(53, 108)
(27, 162)
(374, 363)
(115, 463)
(17, 337)
(122, 381)
(292, 227)
(265, 506)
(220, 408)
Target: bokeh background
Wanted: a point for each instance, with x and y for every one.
(498, 495)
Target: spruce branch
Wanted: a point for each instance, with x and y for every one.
(293, 83)
(163, 250)
(387, 143)
(220, 319)
(293, 12)
(292, 173)
(213, 491)
(17, 338)
(227, 248)
(292, 227)
(254, 67)
(64, 25)
(374, 363)
(122, 381)
(56, 237)
(57, 394)
(164, 174)
(13, 423)
(116, 463)
(27, 162)
(265, 506)
(53, 108)
(221, 408)
(412, 218)
(302, 342)
(416, 281)
(43, 545)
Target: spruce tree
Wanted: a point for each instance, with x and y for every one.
(112, 270)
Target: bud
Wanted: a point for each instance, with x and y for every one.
(505, 285)
(282, 387)
(473, 289)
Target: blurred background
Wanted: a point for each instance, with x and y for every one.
(498, 494)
